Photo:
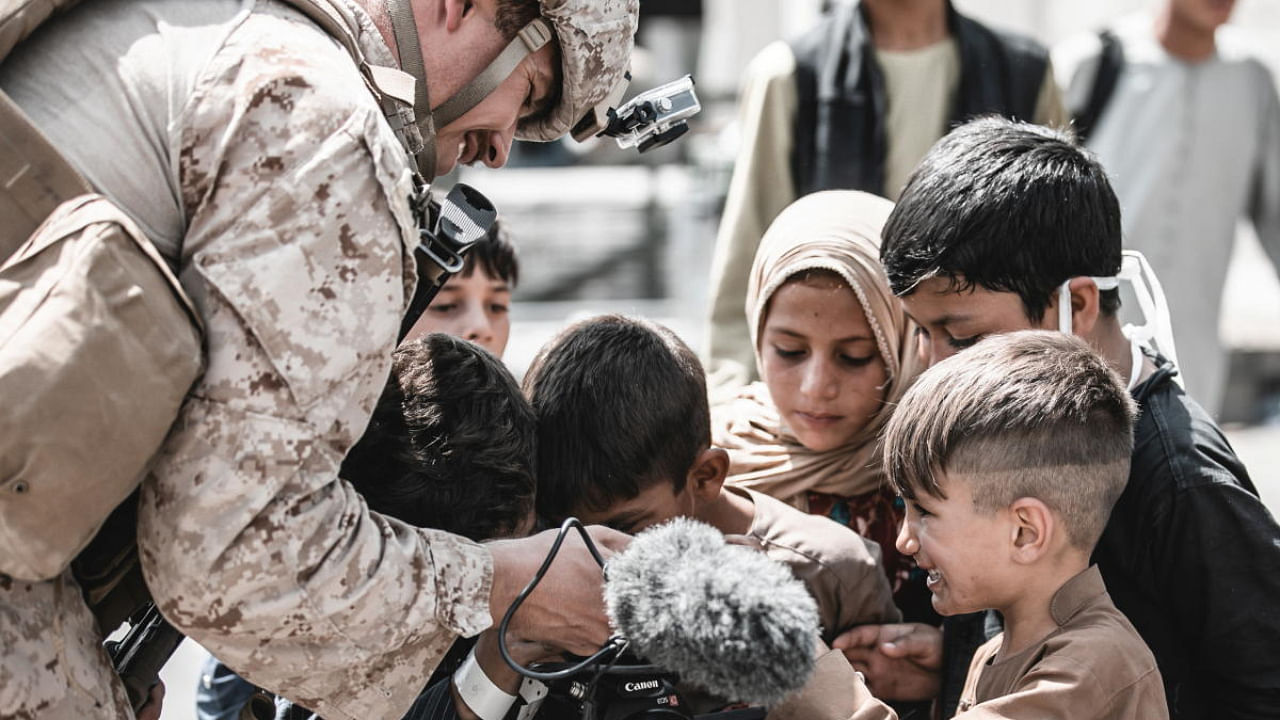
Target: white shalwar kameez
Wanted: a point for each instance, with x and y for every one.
(1191, 147)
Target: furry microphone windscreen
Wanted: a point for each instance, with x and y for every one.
(727, 618)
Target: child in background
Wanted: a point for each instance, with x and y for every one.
(1010, 456)
(475, 303)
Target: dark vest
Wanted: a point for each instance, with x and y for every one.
(840, 136)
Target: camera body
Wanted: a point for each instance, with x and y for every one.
(648, 694)
(654, 117)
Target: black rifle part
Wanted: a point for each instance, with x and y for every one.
(142, 652)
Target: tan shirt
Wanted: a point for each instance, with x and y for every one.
(921, 86)
(762, 185)
(841, 569)
(1095, 666)
(291, 194)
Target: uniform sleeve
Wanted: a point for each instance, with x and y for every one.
(761, 187)
(1264, 202)
(295, 256)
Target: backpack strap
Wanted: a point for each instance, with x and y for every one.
(402, 94)
(1110, 63)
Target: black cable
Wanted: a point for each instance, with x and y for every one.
(612, 645)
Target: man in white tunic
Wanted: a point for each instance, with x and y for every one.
(1191, 138)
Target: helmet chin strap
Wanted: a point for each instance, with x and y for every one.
(530, 39)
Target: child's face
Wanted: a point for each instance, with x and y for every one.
(821, 362)
(951, 320)
(654, 505)
(964, 551)
(473, 308)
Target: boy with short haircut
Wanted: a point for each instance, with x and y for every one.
(1010, 456)
(1007, 226)
(624, 439)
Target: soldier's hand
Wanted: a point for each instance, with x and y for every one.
(901, 661)
(566, 610)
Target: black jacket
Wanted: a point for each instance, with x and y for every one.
(840, 140)
(1191, 556)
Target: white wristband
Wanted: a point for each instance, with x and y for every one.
(486, 700)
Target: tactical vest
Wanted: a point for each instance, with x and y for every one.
(840, 135)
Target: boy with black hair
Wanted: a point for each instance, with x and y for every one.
(1010, 456)
(450, 445)
(624, 439)
(1007, 226)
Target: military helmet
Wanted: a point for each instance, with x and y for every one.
(596, 38)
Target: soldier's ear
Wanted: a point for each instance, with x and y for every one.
(455, 11)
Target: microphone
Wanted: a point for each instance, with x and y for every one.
(727, 618)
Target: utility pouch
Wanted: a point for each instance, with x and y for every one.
(98, 347)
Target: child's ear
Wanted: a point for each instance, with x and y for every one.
(1033, 528)
(707, 475)
(1086, 305)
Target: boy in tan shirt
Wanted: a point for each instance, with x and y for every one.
(1010, 456)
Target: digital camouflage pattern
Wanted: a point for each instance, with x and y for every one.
(52, 664)
(595, 37)
(297, 255)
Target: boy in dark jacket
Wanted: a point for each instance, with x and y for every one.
(1007, 226)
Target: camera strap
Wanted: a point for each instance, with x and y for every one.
(446, 232)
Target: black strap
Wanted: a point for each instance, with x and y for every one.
(1110, 63)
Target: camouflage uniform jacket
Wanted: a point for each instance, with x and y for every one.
(295, 233)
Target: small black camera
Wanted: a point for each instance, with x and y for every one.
(616, 695)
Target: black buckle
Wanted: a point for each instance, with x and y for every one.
(446, 231)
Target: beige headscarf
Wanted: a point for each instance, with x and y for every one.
(838, 231)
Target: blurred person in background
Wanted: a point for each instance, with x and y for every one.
(1187, 124)
(855, 103)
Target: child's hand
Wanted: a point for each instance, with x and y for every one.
(902, 661)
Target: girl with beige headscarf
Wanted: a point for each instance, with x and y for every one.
(835, 352)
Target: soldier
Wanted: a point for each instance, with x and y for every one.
(244, 142)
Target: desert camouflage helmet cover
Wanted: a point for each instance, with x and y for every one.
(596, 37)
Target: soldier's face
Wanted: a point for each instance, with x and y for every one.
(484, 134)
